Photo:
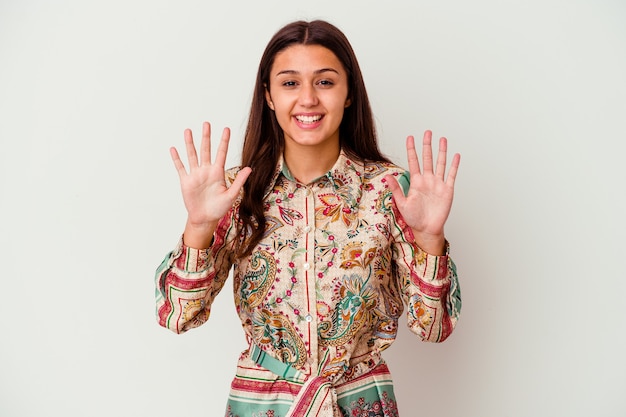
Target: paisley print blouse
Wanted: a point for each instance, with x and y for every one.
(325, 287)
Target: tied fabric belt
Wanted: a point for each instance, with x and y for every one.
(316, 398)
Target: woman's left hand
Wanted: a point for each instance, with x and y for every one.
(426, 206)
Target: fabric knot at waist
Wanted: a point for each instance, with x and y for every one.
(317, 397)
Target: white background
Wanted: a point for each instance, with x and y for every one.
(531, 93)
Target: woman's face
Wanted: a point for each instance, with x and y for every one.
(308, 91)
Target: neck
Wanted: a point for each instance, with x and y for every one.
(307, 164)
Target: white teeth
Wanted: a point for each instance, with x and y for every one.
(308, 119)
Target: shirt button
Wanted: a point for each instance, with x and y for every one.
(306, 266)
(308, 318)
(307, 229)
(309, 191)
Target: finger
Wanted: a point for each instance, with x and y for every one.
(441, 157)
(427, 152)
(411, 154)
(192, 157)
(205, 146)
(178, 164)
(454, 168)
(222, 150)
(240, 179)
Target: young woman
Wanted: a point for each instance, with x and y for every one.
(328, 240)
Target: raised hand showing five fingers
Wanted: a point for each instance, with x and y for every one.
(427, 204)
(205, 194)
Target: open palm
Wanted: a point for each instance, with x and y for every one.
(427, 204)
(205, 194)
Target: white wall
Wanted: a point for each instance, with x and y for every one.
(92, 94)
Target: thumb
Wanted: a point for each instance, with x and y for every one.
(396, 189)
(240, 179)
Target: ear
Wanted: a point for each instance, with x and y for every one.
(348, 102)
(268, 98)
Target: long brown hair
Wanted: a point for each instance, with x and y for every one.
(264, 140)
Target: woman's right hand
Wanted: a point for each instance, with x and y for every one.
(205, 194)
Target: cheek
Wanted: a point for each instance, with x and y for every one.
(339, 109)
(338, 103)
(282, 103)
(282, 111)
(283, 114)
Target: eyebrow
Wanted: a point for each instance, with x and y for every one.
(316, 72)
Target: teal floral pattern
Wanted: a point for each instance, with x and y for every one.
(383, 407)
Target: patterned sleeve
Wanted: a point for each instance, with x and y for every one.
(429, 285)
(188, 280)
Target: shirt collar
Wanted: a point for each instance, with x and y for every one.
(346, 177)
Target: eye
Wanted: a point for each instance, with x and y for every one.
(288, 83)
(326, 83)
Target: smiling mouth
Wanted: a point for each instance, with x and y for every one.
(309, 119)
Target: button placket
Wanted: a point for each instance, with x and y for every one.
(309, 271)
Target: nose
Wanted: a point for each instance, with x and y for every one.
(308, 96)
